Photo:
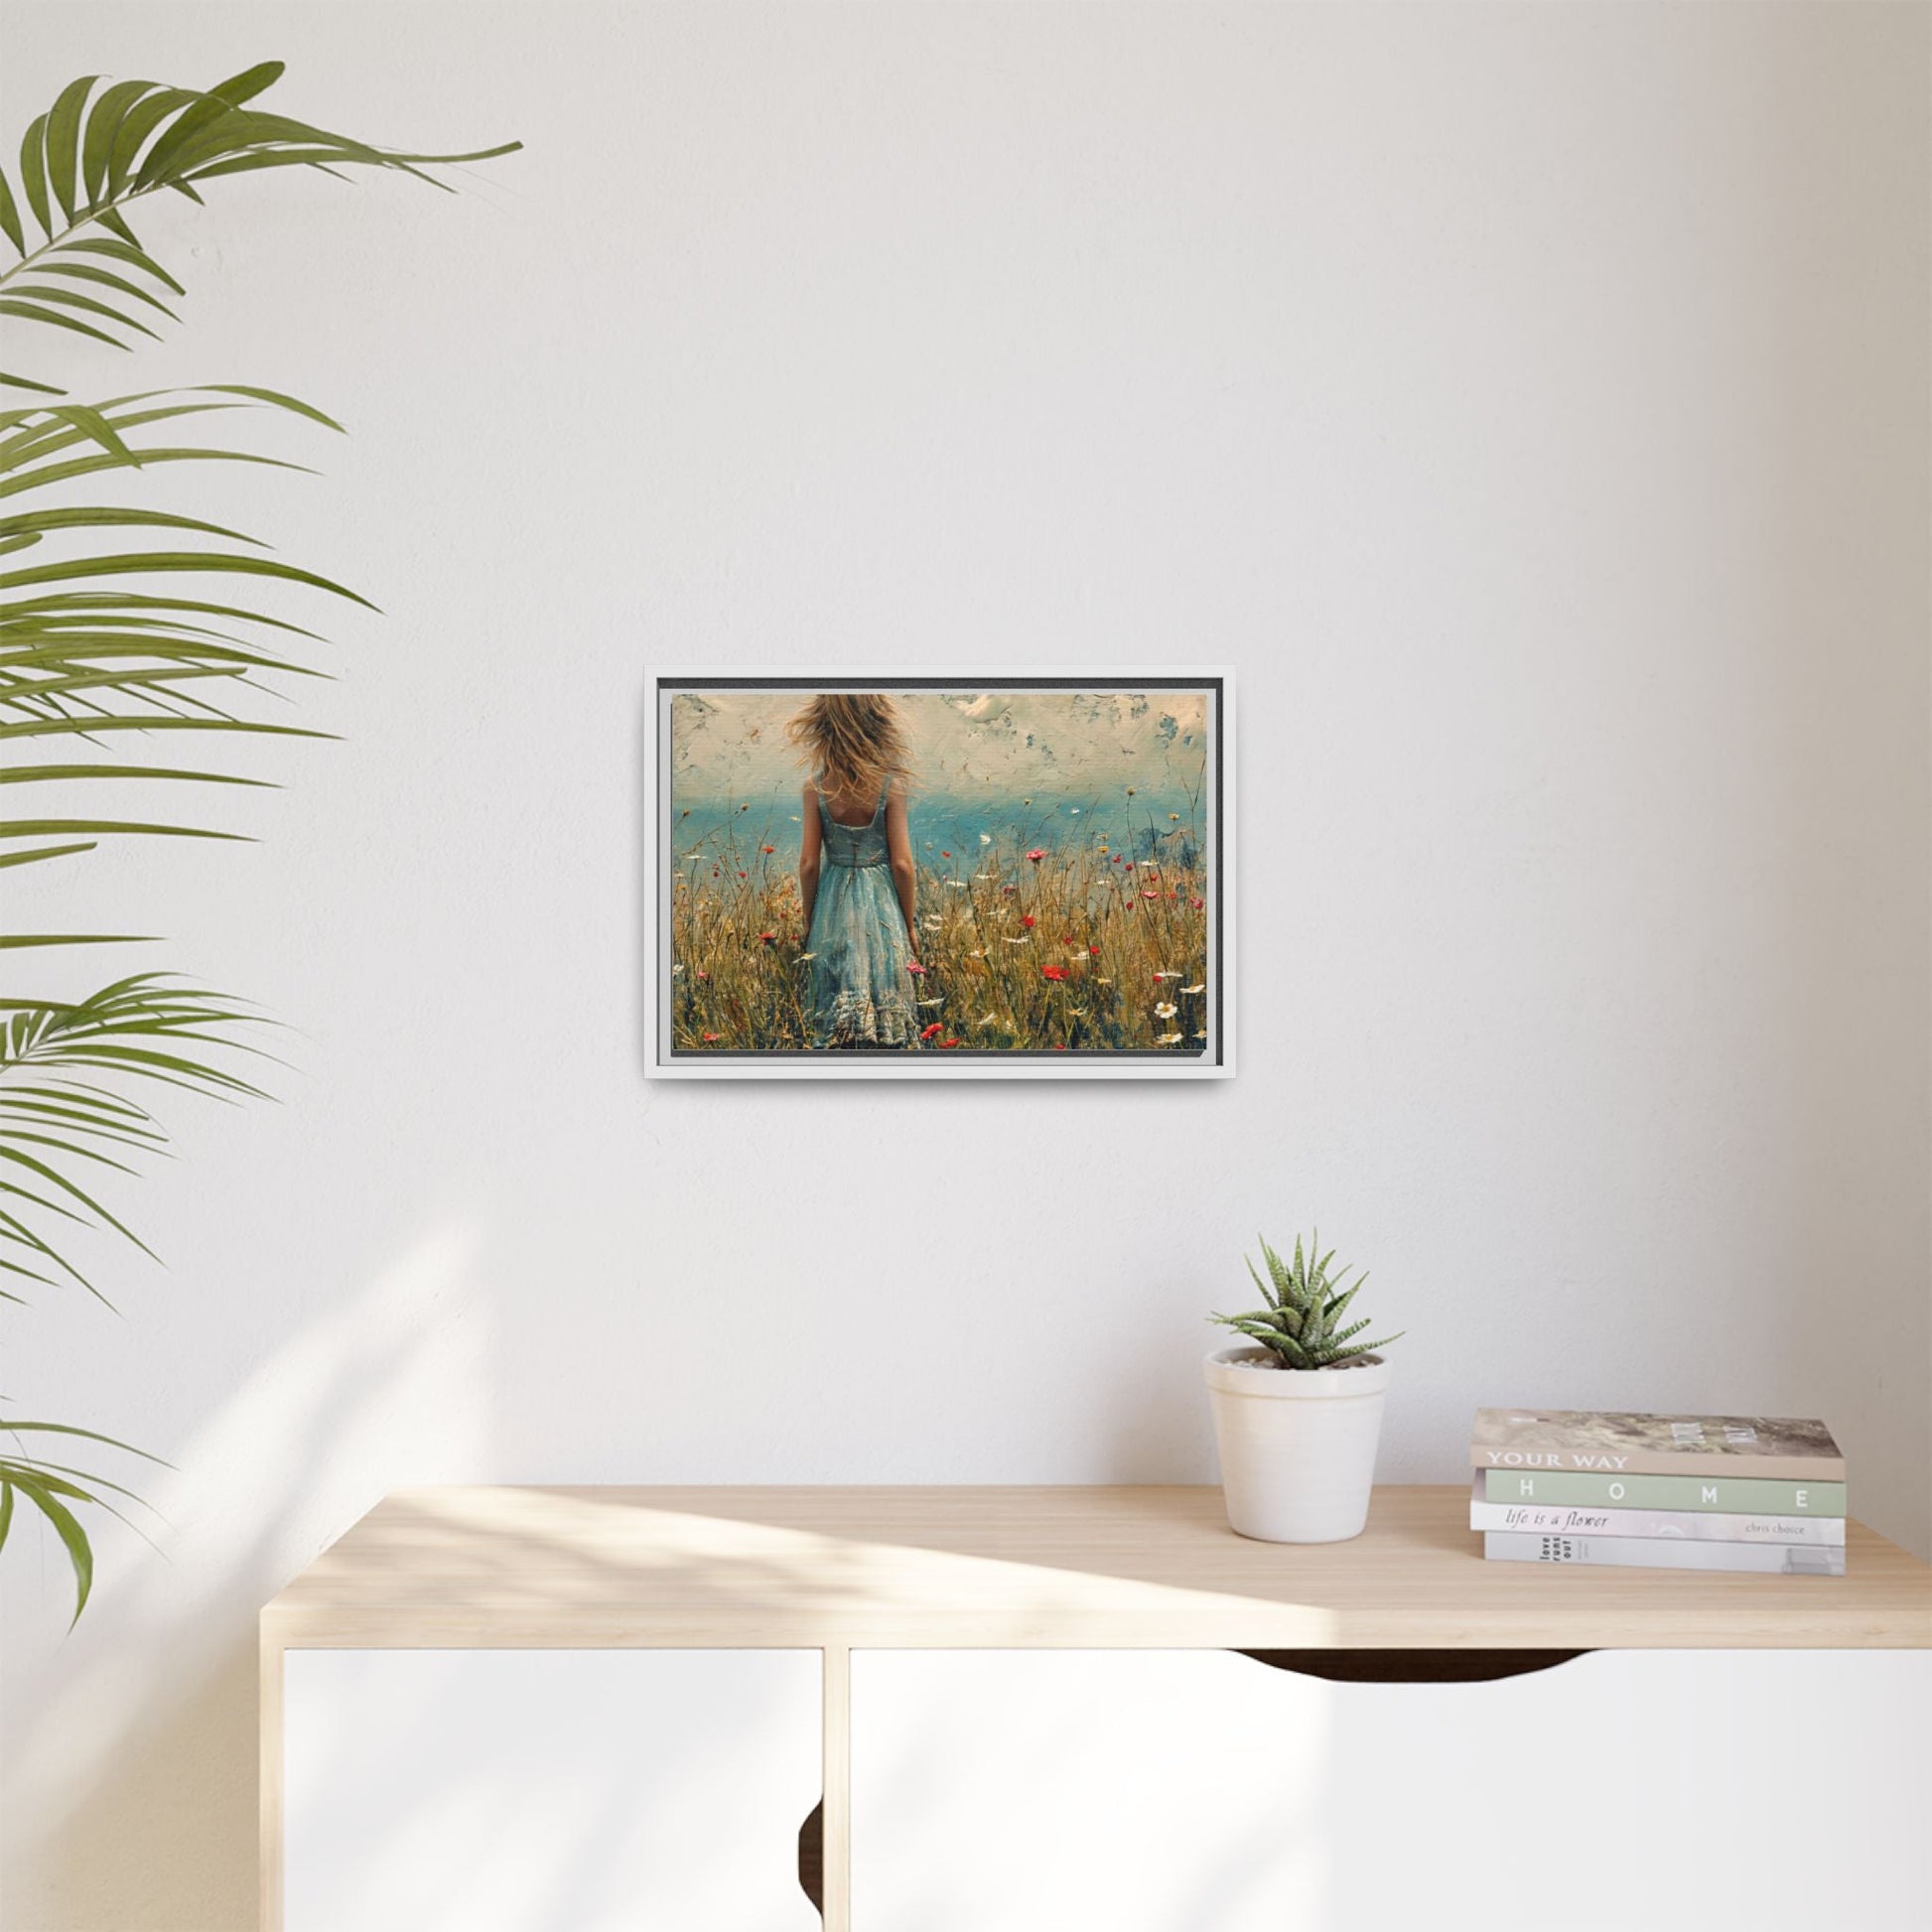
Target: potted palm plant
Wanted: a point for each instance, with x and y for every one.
(1298, 1410)
(105, 657)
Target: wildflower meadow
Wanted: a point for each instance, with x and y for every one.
(1021, 946)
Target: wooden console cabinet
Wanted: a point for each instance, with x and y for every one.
(999, 1709)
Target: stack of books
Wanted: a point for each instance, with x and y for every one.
(1660, 1492)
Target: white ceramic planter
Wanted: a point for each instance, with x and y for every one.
(1298, 1445)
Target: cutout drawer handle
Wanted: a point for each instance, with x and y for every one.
(811, 1857)
(1412, 1666)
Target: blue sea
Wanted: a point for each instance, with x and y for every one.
(1167, 825)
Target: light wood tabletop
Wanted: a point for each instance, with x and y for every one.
(1104, 1567)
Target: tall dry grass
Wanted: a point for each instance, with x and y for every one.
(1082, 949)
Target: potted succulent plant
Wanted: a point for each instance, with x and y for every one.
(1298, 1413)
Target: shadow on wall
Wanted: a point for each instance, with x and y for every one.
(141, 1812)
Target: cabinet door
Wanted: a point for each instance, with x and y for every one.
(1202, 1791)
(548, 1790)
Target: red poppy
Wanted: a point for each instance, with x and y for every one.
(1095, 950)
(913, 966)
(1115, 857)
(1009, 888)
(937, 1026)
(1036, 854)
(709, 1038)
(768, 847)
(1053, 972)
(1027, 920)
(1197, 904)
(945, 855)
(740, 874)
(949, 1042)
(770, 938)
(1059, 1047)
(1150, 895)
(702, 974)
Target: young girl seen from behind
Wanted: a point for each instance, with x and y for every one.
(855, 871)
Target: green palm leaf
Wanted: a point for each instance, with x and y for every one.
(92, 156)
(40, 1490)
(54, 1487)
(147, 1027)
(84, 657)
(108, 646)
(61, 773)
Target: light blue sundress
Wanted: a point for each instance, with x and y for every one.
(860, 991)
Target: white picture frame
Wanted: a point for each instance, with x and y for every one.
(665, 1059)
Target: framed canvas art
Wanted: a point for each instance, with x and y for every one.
(967, 875)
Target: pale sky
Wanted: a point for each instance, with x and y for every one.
(735, 740)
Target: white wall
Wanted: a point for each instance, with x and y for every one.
(1530, 403)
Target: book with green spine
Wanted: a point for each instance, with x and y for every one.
(1662, 1525)
(1745, 1495)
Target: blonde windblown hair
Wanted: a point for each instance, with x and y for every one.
(853, 743)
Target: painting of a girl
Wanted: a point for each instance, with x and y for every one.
(856, 876)
(1023, 877)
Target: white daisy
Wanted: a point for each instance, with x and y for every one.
(1166, 1011)
(1167, 1040)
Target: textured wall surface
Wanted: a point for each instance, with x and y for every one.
(1529, 403)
